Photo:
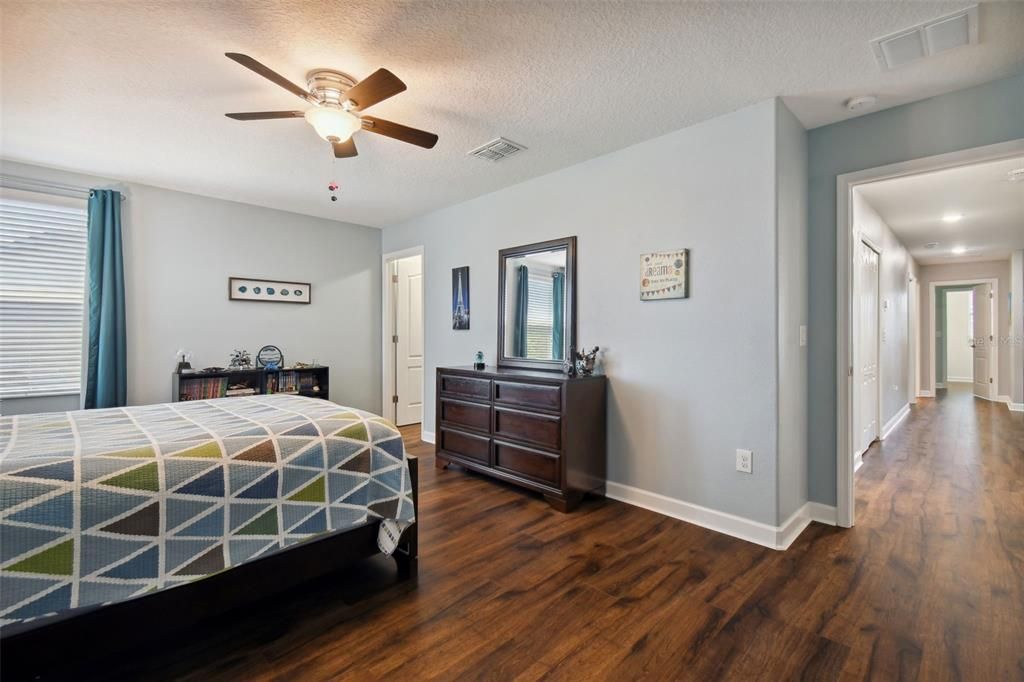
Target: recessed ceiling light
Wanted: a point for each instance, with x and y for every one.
(952, 217)
(860, 102)
(931, 245)
(957, 250)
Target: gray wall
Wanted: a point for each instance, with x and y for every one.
(894, 271)
(954, 272)
(791, 212)
(179, 251)
(973, 117)
(690, 380)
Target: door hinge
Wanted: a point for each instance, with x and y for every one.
(394, 338)
(394, 279)
(990, 294)
(990, 380)
(850, 373)
(394, 399)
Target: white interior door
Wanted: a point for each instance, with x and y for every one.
(409, 344)
(867, 351)
(982, 341)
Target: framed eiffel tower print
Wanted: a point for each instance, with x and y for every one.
(460, 297)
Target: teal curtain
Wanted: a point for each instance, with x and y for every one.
(558, 315)
(107, 373)
(522, 303)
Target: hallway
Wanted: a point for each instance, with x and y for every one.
(940, 525)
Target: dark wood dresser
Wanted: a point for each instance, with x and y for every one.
(540, 430)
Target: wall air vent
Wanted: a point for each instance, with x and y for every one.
(927, 38)
(497, 149)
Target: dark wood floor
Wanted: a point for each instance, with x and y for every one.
(929, 585)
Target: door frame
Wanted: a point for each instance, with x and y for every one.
(914, 337)
(387, 355)
(845, 184)
(879, 370)
(994, 316)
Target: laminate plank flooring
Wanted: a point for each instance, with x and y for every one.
(929, 585)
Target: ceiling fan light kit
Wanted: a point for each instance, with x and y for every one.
(336, 97)
(334, 124)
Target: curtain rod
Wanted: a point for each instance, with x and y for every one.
(56, 188)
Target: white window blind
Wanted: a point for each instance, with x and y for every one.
(539, 317)
(42, 294)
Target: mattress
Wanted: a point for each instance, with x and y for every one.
(99, 506)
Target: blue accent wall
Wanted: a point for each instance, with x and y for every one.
(974, 117)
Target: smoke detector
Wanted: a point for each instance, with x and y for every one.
(927, 39)
(497, 149)
(861, 102)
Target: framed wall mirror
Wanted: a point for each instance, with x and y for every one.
(537, 304)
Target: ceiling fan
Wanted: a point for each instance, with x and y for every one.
(337, 98)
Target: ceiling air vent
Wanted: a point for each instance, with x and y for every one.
(927, 39)
(497, 149)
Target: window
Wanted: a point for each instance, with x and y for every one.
(539, 317)
(42, 294)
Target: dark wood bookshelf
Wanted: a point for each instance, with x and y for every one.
(312, 382)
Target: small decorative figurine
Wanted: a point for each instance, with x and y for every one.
(479, 362)
(569, 366)
(585, 361)
(240, 360)
(184, 360)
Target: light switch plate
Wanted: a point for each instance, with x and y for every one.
(745, 461)
(803, 335)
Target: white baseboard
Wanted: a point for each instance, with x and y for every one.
(940, 385)
(894, 422)
(959, 380)
(925, 394)
(1015, 407)
(775, 537)
(427, 437)
(858, 460)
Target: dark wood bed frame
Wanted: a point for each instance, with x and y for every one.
(26, 647)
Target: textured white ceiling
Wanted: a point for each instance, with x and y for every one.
(137, 89)
(991, 205)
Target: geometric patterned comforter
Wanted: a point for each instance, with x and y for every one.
(98, 506)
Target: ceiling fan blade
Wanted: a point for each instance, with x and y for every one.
(264, 115)
(345, 150)
(397, 131)
(253, 65)
(376, 87)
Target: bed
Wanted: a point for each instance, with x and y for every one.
(113, 515)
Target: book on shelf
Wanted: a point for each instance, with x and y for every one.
(203, 388)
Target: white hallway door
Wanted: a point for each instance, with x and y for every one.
(867, 400)
(409, 342)
(982, 341)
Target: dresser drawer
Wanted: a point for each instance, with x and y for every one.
(532, 464)
(467, 445)
(541, 429)
(530, 395)
(470, 387)
(473, 415)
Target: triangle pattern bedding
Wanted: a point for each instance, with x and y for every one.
(98, 506)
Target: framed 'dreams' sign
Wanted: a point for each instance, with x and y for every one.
(268, 291)
(665, 274)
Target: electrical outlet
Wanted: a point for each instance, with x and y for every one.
(745, 461)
